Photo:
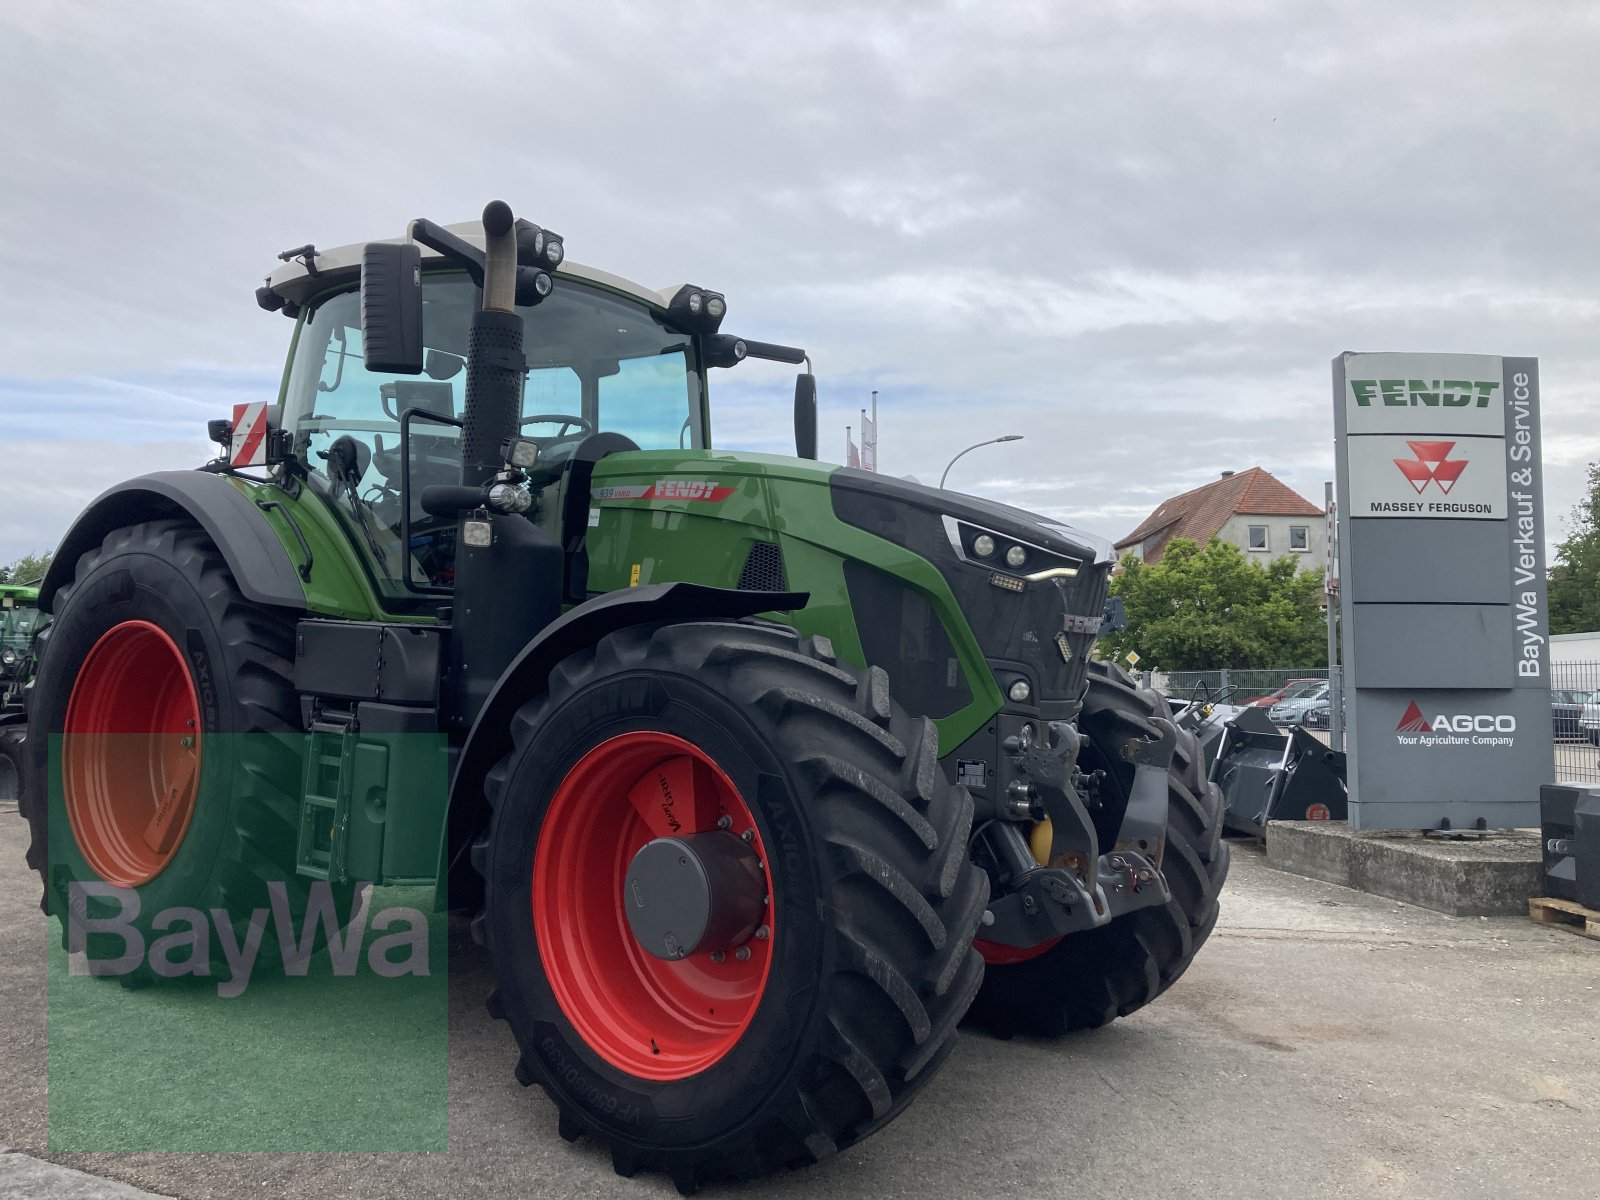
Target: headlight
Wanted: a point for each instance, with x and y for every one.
(8, 657)
(1020, 691)
(973, 543)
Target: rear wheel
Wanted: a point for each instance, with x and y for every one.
(167, 704)
(729, 902)
(1087, 979)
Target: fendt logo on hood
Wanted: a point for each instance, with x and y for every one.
(1457, 729)
(1432, 464)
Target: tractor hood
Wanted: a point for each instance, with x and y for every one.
(854, 488)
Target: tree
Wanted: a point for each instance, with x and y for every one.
(1202, 608)
(1575, 579)
(30, 568)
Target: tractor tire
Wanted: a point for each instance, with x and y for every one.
(11, 744)
(740, 1059)
(1088, 979)
(167, 703)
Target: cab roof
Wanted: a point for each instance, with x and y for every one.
(342, 265)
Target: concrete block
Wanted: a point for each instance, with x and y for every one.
(1315, 849)
(1488, 877)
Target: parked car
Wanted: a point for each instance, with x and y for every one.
(1294, 689)
(1293, 711)
(1319, 715)
(1566, 706)
(1589, 718)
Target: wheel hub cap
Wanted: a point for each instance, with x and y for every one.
(687, 894)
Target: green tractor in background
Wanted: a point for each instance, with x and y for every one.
(763, 774)
(19, 622)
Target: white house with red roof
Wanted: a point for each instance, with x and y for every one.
(1252, 510)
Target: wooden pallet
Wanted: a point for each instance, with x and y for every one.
(1547, 910)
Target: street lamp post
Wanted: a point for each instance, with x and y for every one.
(1010, 437)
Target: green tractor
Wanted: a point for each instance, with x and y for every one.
(19, 621)
(764, 774)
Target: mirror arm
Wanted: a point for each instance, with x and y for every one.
(774, 353)
(436, 237)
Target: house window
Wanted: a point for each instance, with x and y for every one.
(1300, 537)
(1258, 537)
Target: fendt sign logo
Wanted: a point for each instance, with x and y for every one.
(1432, 465)
(1429, 393)
(1458, 729)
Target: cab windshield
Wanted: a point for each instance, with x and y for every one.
(597, 363)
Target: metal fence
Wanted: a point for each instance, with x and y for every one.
(1574, 705)
(1247, 684)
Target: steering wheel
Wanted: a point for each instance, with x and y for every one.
(583, 424)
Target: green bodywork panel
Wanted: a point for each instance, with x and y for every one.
(339, 584)
(745, 498)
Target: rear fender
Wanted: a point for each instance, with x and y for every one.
(253, 552)
(580, 627)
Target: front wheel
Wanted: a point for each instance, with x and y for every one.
(729, 903)
(1088, 979)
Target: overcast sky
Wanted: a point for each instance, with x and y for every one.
(1135, 233)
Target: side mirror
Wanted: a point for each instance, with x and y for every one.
(391, 308)
(805, 415)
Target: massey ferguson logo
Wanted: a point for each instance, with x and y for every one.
(1458, 729)
(1432, 464)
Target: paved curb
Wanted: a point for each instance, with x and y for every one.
(22, 1175)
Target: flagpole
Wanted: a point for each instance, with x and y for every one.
(874, 429)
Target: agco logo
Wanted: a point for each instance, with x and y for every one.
(1432, 464)
(1458, 729)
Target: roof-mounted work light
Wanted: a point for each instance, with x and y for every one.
(698, 309)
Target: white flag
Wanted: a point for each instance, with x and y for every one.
(869, 443)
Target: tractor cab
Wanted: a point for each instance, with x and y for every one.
(611, 367)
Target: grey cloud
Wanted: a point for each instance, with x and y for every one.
(1137, 233)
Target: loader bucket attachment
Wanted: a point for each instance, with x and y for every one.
(1268, 775)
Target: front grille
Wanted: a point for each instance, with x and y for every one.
(763, 569)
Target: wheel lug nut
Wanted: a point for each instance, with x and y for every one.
(724, 821)
(717, 956)
(763, 933)
(749, 835)
(742, 953)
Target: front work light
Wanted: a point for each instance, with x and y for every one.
(519, 452)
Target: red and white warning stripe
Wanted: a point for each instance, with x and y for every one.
(249, 447)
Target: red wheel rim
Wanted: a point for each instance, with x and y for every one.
(997, 954)
(130, 760)
(647, 1016)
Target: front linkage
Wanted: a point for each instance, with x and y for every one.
(1062, 896)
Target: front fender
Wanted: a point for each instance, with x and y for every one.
(580, 627)
(254, 555)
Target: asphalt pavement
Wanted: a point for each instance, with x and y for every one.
(1325, 1043)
